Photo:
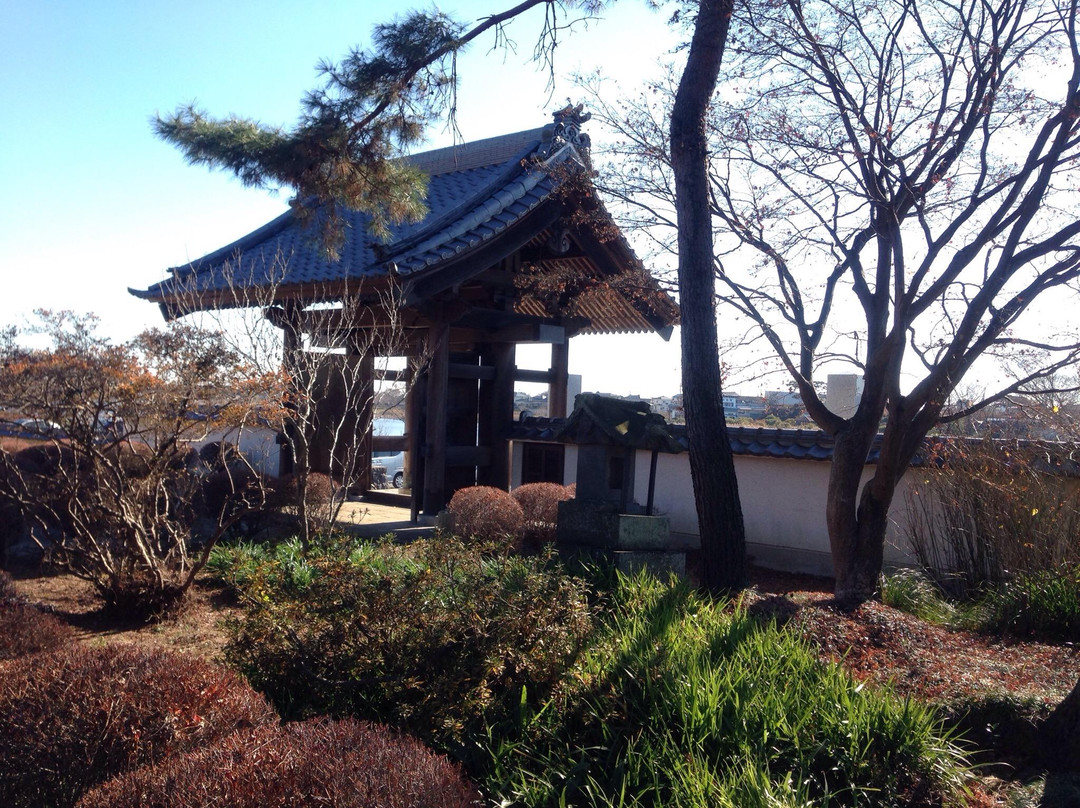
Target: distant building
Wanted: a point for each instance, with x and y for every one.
(740, 406)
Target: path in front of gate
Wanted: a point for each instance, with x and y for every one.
(375, 519)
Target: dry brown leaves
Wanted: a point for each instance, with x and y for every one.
(882, 645)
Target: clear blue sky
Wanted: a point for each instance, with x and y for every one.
(92, 203)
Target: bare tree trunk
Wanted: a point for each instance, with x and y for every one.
(716, 491)
(857, 514)
(856, 522)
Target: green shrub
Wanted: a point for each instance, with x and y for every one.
(235, 562)
(685, 702)
(910, 591)
(344, 764)
(1041, 604)
(540, 508)
(487, 514)
(670, 700)
(429, 637)
(74, 717)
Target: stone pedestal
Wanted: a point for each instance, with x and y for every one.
(630, 541)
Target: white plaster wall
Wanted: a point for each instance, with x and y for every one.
(570, 466)
(783, 504)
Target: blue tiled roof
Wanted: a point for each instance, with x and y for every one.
(792, 444)
(476, 191)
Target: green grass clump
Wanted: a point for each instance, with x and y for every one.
(684, 702)
(235, 562)
(239, 563)
(909, 590)
(1043, 604)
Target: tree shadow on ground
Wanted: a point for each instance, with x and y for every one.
(1061, 791)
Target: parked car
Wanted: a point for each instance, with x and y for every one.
(394, 465)
(388, 467)
(39, 428)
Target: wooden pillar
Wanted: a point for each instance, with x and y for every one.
(434, 497)
(652, 483)
(364, 379)
(560, 372)
(291, 442)
(418, 443)
(413, 406)
(497, 412)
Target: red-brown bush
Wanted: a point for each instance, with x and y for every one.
(540, 505)
(25, 629)
(75, 717)
(340, 763)
(320, 489)
(486, 513)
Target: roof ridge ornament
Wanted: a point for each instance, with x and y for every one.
(567, 131)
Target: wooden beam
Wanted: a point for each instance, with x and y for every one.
(384, 375)
(466, 456)
(497, 413)
(532, 376)
(353, 319)
(290, 347)
(416, 432)
(458, 370)
(367, 413)
(389, 443)
(547, 332)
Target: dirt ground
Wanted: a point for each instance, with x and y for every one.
(197, 629)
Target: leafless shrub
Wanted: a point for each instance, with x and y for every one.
(108, 485)
(985, 511)
(487, 514)
(540, 506)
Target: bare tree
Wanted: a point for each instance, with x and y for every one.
(102, 467)
(891, 183)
